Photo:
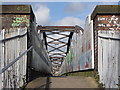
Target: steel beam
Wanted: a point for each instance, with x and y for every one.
(55, 56)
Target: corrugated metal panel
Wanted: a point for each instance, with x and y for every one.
(81, 54)
(15, 20)
(15, 76)
(2, 56)
(19, 24)
(108, 58)
(0, 60)
(42, 63)
(108, 37)
(102, 21)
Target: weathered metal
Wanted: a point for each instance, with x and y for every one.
(12, 71)
(106, 41)
(103, 17)
(15, 60)
(40, 60)
(18, 34)
(15, 22)
(2, 47)
(108, 58)
(59, 28)
(59, 42)
(81, 52)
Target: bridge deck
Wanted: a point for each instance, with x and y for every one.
(63, 82)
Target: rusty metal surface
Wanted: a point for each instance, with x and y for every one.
(95, 33)
(59, 28)
(56, 27)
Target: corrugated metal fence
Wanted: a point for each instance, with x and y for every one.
(108, 57)
(21, 49)
(13, 42)
(108, 36)
(81, 52)
(40, 60)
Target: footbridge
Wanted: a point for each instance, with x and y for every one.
(36, 56)
(57, 40)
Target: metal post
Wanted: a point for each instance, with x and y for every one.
(2, 56)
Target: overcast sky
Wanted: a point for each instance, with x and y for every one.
(62, 13)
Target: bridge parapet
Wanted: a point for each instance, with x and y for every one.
(14, 44)
(18, 37)
(106, 24)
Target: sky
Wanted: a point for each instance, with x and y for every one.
(62, 13)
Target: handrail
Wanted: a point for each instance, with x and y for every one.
(6, 39)
(10, 64)
(109, 38)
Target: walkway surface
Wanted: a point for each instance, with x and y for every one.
(63, 82)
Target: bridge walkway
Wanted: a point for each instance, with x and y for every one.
(63, 82)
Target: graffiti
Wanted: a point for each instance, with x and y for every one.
(82, 48)
(86, 65)
(111, 22)
(89, 46)
(80, 53)
(21, 8)
(20, 21)
(70, 56)
(78, 65)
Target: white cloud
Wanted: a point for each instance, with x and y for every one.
(70, 21)
(109, 3)
(109, 0)
(59, 0)
(42, 14)
(75, 7)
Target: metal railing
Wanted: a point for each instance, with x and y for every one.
(112, 38)
(18, 36)
(15, 60)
